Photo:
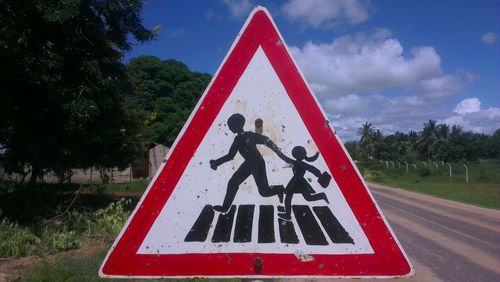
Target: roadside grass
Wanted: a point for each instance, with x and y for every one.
(66, 268)
(83, 269)
(50, 218)
(482, 190)
(65, 231)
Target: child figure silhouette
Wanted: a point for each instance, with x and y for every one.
(299, 185)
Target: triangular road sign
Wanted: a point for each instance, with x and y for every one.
(242, 192)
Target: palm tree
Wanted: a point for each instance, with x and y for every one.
(429, 140)
(402, 145)
(444, 130)
(367, 140)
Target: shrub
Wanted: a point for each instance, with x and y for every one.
(424, 171)
(483, 176)
(65, 231)
(66, 241)
(16, 241)
(108, 222)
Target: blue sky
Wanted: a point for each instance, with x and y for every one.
(395, 64)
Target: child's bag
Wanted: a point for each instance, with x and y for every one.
(324, 179)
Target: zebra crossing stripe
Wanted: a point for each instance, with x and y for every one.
(332, 226)
(199, 231)
(222, 232)
(266, 224)
(313, 235)
(287, 232)
(243, 225)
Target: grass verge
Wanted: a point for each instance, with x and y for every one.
(482, 190)
(69, 268)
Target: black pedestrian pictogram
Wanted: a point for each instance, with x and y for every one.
(237, 222)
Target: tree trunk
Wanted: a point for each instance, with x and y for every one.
(35, 172)
(104, 175)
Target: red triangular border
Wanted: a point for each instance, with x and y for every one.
(388, 258)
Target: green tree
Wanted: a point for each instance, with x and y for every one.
(429, 140)
(494, 145)
(353, 148)
(380, 147)
(64, 100)
(367, 140)
(167, 92)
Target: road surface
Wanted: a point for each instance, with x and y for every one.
(445, 240)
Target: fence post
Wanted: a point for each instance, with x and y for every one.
(449, 165)
(130, 174)
(466, 174)
(406, 166)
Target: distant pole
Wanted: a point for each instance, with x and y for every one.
(130, 174)
(436, 165)
(414, 165)
(399, 165)
(406, 166)
(392, 164)
(466, 174)
(110, 180)
(449, 165)
(386, 164)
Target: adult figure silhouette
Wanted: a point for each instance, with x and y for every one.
(245, 143)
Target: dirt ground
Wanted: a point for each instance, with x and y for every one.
(12, 268)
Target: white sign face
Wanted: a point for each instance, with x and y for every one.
(259, 94)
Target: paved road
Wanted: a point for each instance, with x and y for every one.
(445, 240)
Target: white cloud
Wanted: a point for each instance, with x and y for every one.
(481, 121)
(373, 64)
(470, 116)
(489, 38)
(386, 114)
(441, 86)
(372, 78)
(326, 13)
(350, 104)
(405, 113)
(238, 8)
(466, 106)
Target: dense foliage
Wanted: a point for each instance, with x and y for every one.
(64, 99)
(166, 93)
(65, 231)
(434, 142)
